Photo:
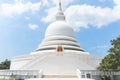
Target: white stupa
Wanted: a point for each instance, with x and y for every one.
(59, 54)
(59, 33)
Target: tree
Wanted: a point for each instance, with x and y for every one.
(111, 62)
(5, 64)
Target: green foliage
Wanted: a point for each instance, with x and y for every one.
(3, 79)
(111, 62)
(5, 64)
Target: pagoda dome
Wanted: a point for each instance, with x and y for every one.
(59, 27)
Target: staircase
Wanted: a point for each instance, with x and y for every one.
(59, 76)
(59, 79)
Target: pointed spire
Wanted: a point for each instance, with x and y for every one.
(60, 15)
(60, 8)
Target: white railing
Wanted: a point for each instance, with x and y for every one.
(95, 72)
(19, 72)
(27, 74)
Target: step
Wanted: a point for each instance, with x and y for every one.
(59, 76)
(59, 79)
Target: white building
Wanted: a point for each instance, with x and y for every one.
(59, 54)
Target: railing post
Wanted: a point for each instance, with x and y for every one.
(40, 74)
(78, 73)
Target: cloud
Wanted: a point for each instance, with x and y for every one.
(27, 18)
(51, 3)
(102, 0)
(85, 15)
(103, 46)
(33, 26)
(117, 2)
(65, 3)
(99, 50)
(18, 8)
(82, 16)
(99, 47)
(45, 3)
(51, 15)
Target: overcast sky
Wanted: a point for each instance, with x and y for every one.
(23, 24)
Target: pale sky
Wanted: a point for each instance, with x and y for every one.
(23, 24)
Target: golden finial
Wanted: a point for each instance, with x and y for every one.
(60, 5)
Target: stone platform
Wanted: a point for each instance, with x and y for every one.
(59, 79)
